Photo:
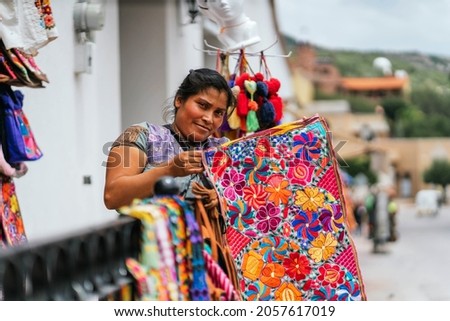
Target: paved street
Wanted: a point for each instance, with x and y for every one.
(417, 266)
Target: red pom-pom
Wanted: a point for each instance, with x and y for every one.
(274, 85)
(259, 76)
(242, 104)
(240, 80)
(278, 107)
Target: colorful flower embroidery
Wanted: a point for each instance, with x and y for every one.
(332, 218)
(263, 149)
(271, 274)
(297, 266)
(233, 182)
(268, 218)
(273, 248)
(325, 294)
(287, 292)
(277, 189)
(307, 225)
(306, 146)
(323, 247)
(331, 274)
(255, 196)
(240, 215)
(220, 163)
(255, 169)
(252, 264)
(257, 292)
(300, 172)
(310, 199)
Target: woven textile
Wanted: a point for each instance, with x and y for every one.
(283, 202)
(12, 230)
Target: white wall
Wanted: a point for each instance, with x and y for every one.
(72, 118)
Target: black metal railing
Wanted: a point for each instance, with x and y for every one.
(89, 265)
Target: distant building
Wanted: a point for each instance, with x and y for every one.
(376, 87)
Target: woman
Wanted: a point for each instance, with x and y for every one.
(146, 152)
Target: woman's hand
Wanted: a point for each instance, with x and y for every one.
(187, 163)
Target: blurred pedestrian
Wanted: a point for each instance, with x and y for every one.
(381, 222)
(370, 205)
(392, 211)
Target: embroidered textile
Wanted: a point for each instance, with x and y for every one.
(285, 211)
(12, 231)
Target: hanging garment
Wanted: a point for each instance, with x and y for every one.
(12, 231)
(19, 144)
(27, 25)
(283, 203)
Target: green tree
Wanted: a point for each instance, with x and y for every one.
(438, 173)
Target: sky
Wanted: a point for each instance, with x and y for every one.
(388, 25)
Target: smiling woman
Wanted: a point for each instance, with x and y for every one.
(145, 152)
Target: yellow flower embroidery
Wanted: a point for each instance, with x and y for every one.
(310, 198)
(14, 204)
(288, 292)
(323, 247)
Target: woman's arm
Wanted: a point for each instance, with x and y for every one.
(126, 179)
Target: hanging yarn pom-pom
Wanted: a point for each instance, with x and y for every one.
(278, 107)
(266, 115)
(250, 86)
(262, 89)
(274, 85)
(234, 121)
(259, 76)
(242, 104)
(241, 79)
(235, 90)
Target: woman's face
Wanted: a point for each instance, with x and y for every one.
(200, 115)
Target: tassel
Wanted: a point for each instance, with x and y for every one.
(234, 121)
(252, 121)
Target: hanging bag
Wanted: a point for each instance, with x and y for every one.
(19, 142)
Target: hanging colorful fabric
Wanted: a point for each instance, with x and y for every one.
(19, 142)
(12, 231)
(286, 216)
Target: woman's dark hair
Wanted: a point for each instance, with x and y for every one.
(199, 80)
